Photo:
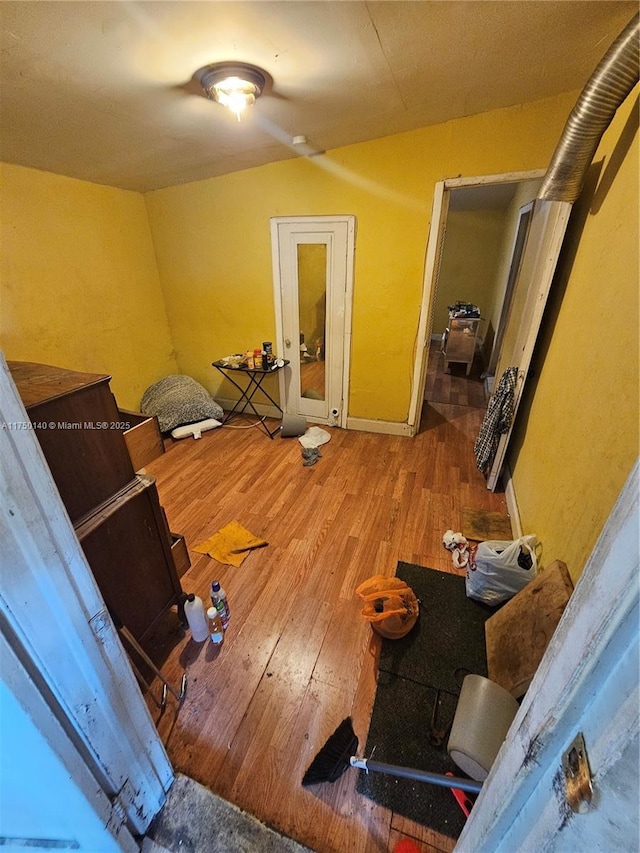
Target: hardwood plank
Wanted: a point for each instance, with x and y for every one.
(480, 525)
(298, 657)
(426, 840)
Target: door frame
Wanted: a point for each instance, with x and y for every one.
(435, 245)
(317, 223)
(545, 236)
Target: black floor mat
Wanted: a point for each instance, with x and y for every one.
(446, 644)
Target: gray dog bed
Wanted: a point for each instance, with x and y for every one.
(178, 400)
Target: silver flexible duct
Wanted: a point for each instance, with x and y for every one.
(609, 85)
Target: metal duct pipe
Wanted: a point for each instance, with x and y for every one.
(609, 85)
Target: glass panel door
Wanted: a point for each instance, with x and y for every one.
(313, 283)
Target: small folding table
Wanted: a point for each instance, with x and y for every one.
(251, 379)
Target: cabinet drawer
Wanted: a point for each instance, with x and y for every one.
(460, 347)
(180, 554)
(129, 553)
(143, 438)
(461, 341)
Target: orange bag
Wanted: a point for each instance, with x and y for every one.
(390, 606)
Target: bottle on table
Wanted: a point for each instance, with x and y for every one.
(221, 602)
(194, 611)
(216, 631)
(267, 355)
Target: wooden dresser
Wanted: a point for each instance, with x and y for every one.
(115, 512)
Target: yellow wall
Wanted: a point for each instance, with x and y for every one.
(470, 261)
(213, 247)
(578, 437)
(79, 284)
(79, 288)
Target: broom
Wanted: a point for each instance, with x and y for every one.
(337, 754)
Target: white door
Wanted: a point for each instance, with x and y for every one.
(519, 240)
(62, 647)
(539, 258)
(313, 261)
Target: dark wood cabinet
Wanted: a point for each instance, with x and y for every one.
(115, 512)
(78, 426)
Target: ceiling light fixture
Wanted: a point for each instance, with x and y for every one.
(232, 84)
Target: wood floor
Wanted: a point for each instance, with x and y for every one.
(297, 656)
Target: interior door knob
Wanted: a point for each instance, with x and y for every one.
(287, 342)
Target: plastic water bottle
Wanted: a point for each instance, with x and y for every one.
(219, 595)
(216, 631)
(194, 611)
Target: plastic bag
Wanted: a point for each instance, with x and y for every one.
(390, 606)
(497, 570)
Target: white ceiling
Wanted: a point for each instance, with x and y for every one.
(104, 91)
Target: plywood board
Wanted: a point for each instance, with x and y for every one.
(518, 634)
(479, 525)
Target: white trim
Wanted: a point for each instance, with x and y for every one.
(433, 257)
(277, 307)
(352, 226)
(504, 178)
(384, 427)
(512, 502)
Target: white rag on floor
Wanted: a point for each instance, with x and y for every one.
(459, 547)
(314, 437)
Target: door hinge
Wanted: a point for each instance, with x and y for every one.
(120, 805)
(118, 815)
(100, 624)
(577, 776)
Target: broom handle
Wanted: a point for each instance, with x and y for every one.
(419, 775)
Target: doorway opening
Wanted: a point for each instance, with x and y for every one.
(482, 240)
(512, 279)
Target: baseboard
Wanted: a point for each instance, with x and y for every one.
(489, 381)
(360, 424)
(265, 411)
(512, 502)
(384, 427)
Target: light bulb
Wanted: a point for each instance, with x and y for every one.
(236, 94)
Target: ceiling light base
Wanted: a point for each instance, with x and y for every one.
(235, 85)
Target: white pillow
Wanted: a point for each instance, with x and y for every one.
(196, 429)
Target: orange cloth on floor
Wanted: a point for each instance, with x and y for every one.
(231, 544)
